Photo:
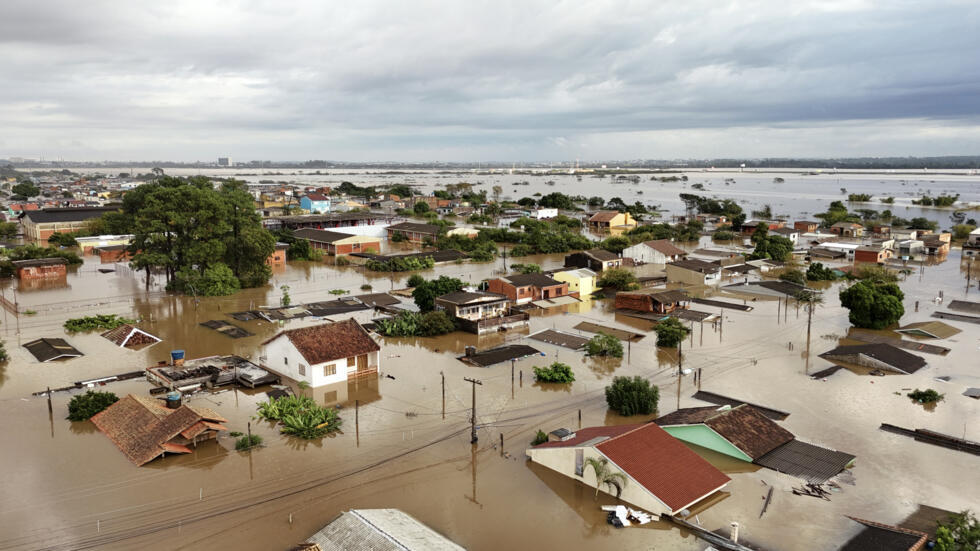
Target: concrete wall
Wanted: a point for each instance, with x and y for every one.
(676, 274)
(584, 286)
(283, 358)
(642, 253)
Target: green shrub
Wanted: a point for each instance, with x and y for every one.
(928, 396)
(401, 264)
(3, 352)
(632, 396)
(415, 280)
(246, 442)
(366, 287)
(234, 434)
(83, 406)
(526, 268)
(817, 272)
(723, 235)
(619, 279)
(670, 332)
(604, 345)
(555, 373)
(416, 324)
(873, 305)
(300, 416)
(539, 438)
(100, 321)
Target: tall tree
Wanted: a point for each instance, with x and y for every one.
(604, 475)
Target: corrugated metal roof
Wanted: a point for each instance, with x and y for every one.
(380, 530)
(806, 461)
(559, 338)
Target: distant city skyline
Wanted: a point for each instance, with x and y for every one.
(467, 82)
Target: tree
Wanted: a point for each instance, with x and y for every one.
(25, 189)
(604, 475)
(604, 345)
(498, 192)
(670, 332)
(960, 533)
(632, 396)
(619, 279)
(3, 352)
(818, 272)
(420, 208)
(557, 372)
(615, 244)
(873, 305)
(425, 293)
(415, 280)
(556, 200)
(526, 268)
(793, 276)
(62, 239)
(285, 300)
(83, 406)
(9, 230)
(774, 247)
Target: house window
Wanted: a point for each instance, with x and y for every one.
(579, 462)
(329, 370)
(285, 361)
(302, 369)
(352, 361)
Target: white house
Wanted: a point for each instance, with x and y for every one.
(660, 251)
(322, 354)
(542, 214)
(789, 233)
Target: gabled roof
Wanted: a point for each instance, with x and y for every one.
(604, 216)
(46, 350)
(321, 236)
(330, 341)
(666, 247)
(847, 225)
(128, 335)
(881, 537)
(663, 465)
(601, 255)
(530, 280)
(931, 329)
(415, 227)
(378, 530)
(696, 266)
(898, 359)
(745, 427)
(471, 297)
(142, 427)
(317, 197)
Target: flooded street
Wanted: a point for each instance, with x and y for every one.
(66, 486)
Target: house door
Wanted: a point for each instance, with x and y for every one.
(362, 363)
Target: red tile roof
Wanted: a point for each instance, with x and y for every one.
(663, 465)
(747, 428)
(330, 341)
(665, 247)
(604, 216)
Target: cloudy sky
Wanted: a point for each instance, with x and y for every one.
(477, 81)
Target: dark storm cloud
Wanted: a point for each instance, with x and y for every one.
(527, 80)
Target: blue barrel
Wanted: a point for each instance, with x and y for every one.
(173, 399)
(176, 355)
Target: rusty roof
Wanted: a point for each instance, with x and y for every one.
(882, 537)
(663, 465)
(687, 416)
(122, 335)
(330, 341)
(142, 428)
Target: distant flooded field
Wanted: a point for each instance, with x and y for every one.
(66, 486)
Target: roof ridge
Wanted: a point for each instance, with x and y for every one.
(631, 431)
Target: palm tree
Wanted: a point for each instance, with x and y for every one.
(604, 475)
(812, 300)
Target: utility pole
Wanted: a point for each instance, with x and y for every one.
(473, 382)
(443, 394)
(680, 369)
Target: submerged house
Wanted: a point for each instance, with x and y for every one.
(663, 475)
(877, 356)
(414, 232)
(609, 220)
(581, 281)
(693, 272)
(479, 312)
(41, 268)
(47, 350)
(337, 243)
(659, 301)
(596, 260)
(144, 428)
(376, 530)
(322, 354)
(521, 288)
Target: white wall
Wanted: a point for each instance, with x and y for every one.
(283, 358)
(642, 253)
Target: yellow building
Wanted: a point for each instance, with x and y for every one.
(611, 221)
(581, 282)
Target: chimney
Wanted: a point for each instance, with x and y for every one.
(734, 533)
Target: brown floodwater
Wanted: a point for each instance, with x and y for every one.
(66, 486)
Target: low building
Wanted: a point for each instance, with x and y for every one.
(376, 530)
(88, 245)
(322, 354)
(660, 251)
(113, 253)
(847, 248)
(597, 260)
(315, 203)
(611, 220)
(663, 475)
(479, 312)
(871, 254)
(881, 230)
(337, 243)
(929, 330)
(847, 229)
(693, 272)
(806, 226)
(822, 253)
(936, 244)
(581, 281)
(144, 428)
(278, 256)
(750, 226)
(414, 232)
(544, 214)
(908, 233)
(521, 288)
(910, 247)
(877, 356)
(658, 301)
(876, 536)
(792, 234)
(742, 432)
(41, 268)
(40, 224)
(972, 245)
